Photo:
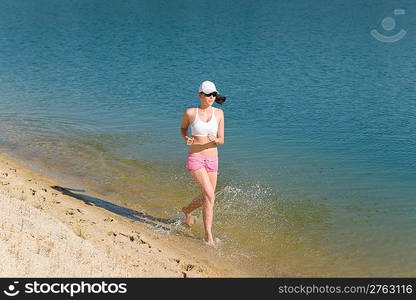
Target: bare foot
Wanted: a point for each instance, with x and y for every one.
(189, 219)
(210, 243)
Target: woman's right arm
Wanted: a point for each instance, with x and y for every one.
(185, 125)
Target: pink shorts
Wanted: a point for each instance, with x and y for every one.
(197, 161)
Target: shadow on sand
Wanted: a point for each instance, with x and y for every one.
(122, 211)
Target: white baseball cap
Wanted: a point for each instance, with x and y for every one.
(207, 87)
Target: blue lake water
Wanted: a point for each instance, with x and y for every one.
(317, 174)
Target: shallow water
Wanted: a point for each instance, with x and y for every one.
(317, 172)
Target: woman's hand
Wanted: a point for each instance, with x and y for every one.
(189, 140)
(212, 138)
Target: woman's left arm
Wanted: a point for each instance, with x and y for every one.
(220, 135)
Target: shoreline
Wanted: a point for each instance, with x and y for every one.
(53, 231)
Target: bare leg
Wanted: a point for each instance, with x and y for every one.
(202, 178)
(208, 215)
(208, 219)
(198, 201)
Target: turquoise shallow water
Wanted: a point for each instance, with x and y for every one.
(318, 170)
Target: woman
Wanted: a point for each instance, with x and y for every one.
(207, 129)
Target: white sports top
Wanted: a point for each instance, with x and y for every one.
(201, 128)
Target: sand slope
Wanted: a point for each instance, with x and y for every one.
(48, 231)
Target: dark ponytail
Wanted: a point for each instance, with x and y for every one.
(220, 99)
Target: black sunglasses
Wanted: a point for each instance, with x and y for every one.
(211, 94)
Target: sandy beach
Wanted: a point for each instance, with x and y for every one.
(48, 230)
